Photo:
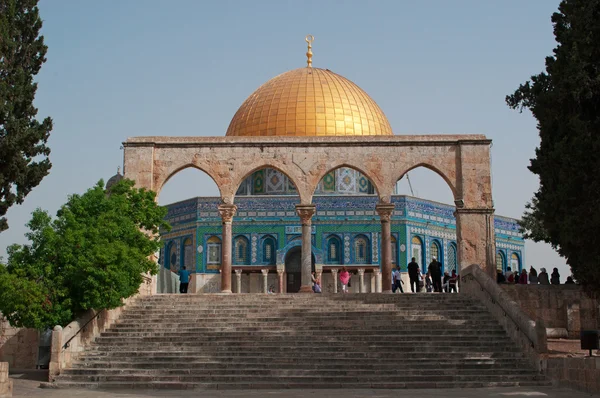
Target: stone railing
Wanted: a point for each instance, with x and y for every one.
(69, 343)
(528, 334)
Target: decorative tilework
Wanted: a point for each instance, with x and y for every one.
(259, 182)
(329, 182)
(345, 179)
(375, 246)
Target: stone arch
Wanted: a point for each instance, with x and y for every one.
(344, 163)
(451, 184)
(161, 181)
(282, 253)
(288, 172)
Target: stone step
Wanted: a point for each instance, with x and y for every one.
(332, 342)
(405, 374)
(236, 378)
(258, 362)
(169, 333)
(297, 341)
(300, 355)
(353, 385)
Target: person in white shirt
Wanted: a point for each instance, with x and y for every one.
(397, 277)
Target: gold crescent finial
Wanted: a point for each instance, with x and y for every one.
(309, 39)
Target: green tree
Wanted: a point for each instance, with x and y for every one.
(91, 256)
(23, 151)
(565, 100)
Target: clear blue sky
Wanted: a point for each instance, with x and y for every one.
(118, 69)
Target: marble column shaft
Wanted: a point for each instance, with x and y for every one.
(227, 212)
(265, 273)
(280, 280)
(306, 212)
(385, 213)
(238, 280)
(334, 275)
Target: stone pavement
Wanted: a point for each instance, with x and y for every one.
(30, 388)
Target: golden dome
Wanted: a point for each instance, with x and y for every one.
(309, 102)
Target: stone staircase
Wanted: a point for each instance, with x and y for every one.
(303, 341)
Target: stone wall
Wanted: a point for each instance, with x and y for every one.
(565, 309)
(578, 373)
(18, 347)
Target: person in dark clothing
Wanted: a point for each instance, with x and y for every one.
(543, 277)
(435, 270)
(500, 278)
(184, 280)
(555, 277)
(413, 274)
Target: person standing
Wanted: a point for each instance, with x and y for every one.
(397, 281)
(344, 279)
(555, 277)
(543, 277)
(413, 274)
(533, 276)
(184, 280)
(523, 277)
(453, 282)
(435, 270)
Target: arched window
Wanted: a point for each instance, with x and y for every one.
(451, 260)
(269, 250)
(434, 251)
(240, 250)
(213, 251)
(500, 263)
(173, 257)
(361, 250)
(334, 247)
(188, 254)
(515, 262)
(417, 249)
(393, 243)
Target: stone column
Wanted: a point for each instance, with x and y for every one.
(476, 239)
(227, 213)
(385, 214)
(265, 284)
(377, 274)
(56, 353)
(306, 212)
(334, 275)
(280, 280)
(238, 281)
(361, 280)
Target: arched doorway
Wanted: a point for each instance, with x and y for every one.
(293, 269)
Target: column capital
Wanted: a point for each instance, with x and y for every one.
(334, 270)
(238, 272)
(361, 271)
(227, 212)
(376, 271)
(305, 212)
(385, 211)
(280, 272)
(264, 271)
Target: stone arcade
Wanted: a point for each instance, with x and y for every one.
(306, 125)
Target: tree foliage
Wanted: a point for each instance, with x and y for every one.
(91, 256)
(23, 151)
(565, 100)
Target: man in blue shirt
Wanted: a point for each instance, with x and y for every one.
(184, 280)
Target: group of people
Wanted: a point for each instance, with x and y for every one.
(533, 278)
(432, 281)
